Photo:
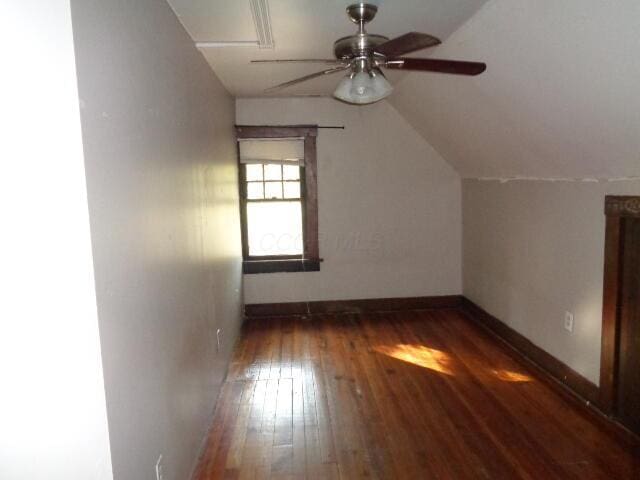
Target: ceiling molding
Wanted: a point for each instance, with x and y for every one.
(553, 179)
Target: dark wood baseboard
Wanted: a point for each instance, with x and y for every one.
(563, 379)
(351, 306)
(561, 372)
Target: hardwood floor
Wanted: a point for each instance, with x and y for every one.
(406, 395)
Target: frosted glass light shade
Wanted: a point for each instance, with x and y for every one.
(363, 87)
(343, 89)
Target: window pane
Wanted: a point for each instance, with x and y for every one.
(291, 189)
(273, 190)
(254, 172)
(274, 228)
(291, 172)
(272, 172)
(255, 190)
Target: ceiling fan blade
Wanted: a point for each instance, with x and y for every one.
(436, 65)
(307, 77)
(407, 43)
(327, 61)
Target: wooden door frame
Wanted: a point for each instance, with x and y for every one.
(617, 209)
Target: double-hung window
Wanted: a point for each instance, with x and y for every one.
(278, 193)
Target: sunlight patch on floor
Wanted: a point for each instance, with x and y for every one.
(440, 361)
(509, 376)
(419, 355)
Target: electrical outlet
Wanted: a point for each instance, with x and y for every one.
(159, 472)
(218, 337)
(568, 322)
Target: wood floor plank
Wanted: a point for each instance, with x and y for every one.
(396, 395)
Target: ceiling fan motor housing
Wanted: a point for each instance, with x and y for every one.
(361, 44)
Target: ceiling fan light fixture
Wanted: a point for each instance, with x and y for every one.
(363, 87)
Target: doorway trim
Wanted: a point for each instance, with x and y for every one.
(616, 209)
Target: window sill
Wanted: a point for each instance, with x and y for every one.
(274, 266)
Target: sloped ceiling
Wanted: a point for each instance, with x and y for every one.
(559, 98)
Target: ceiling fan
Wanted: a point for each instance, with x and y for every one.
(364, 54)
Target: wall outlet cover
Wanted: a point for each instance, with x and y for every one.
(568, 322)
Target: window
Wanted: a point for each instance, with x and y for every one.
(278, 198)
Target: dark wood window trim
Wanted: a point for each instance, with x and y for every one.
(310, 260)
(617, 209)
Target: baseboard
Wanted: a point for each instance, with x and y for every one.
(351, 306)
(561, 372)
(563, 379)
(554, 367)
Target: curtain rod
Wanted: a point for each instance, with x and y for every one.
(339, 127)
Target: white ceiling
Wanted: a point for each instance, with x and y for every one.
(559, 97)
(303, 29)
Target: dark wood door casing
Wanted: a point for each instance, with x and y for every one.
(628, 391)
(620, 363)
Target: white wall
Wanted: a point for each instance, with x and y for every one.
(162, 182)
(53, 423)
(389, 206)
(535, 249)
